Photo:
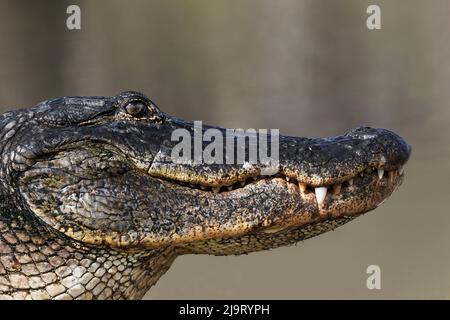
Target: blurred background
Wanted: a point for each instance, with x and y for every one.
(310, 68)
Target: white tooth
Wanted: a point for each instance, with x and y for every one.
(230, 188)
(337, 189)
(391, 175)
(302, 187)
(380, 173)
(242, 183)
(287, 179)
(400, 171)
(350, 182)
(321, 193)
(203, 187)
(216, 189)
(273, 229)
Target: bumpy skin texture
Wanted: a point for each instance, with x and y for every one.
(93, 207)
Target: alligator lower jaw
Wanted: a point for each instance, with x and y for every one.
(295, 208)
(296, 215)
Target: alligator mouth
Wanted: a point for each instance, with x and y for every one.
(332, 190)
(300, 211)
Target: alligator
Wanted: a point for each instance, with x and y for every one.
(92, 207)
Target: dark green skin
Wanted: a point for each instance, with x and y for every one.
(93, 208)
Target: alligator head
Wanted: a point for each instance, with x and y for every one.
(93, 205)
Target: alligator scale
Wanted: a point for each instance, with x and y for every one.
(91, 207)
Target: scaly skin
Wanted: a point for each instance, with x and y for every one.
(92, 206)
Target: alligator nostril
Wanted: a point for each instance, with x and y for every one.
(363, 132)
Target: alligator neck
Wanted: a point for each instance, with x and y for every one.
(37, 263)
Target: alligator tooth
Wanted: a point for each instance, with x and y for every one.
(273, 229)
(203, 187)
(229, 188)
(391, 175)
(350, 182)
(216, 189)
(337, 188)
(380, 173)
(191, 185)
(321, 193)
(302, 187)
(287, 179)
(400, 171)
(242, 183)
(255, 178)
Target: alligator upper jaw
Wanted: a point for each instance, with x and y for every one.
(320, 165)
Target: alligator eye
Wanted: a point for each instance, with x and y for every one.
(135, 108)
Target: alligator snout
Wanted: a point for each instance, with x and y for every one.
(326, 161)
(396, 150)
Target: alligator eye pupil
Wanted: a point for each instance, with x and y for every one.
(135, 108)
